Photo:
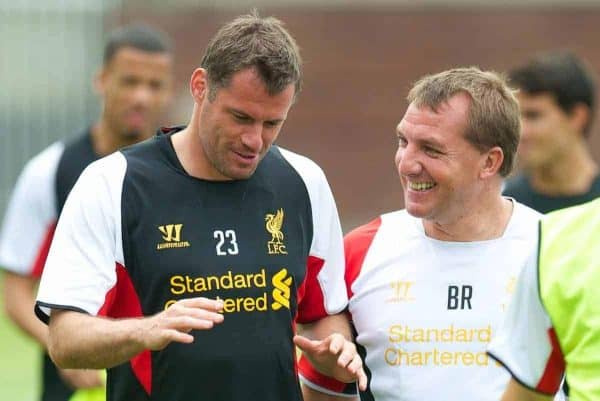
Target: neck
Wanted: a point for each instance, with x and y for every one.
(189, 150)
(106, 141)
(486, 221)
(571, 173)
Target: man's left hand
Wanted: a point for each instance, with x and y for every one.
(334, 356)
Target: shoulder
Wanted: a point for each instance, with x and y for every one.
(45, 162)
(360, 239)
(525, 212)
(308, 169)
(574, 216)
(106, 168)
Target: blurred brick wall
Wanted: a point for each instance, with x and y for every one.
(359, 66)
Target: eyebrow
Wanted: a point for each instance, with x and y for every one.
(426, 141)
(246, 115)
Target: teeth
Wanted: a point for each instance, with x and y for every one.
(421, 186)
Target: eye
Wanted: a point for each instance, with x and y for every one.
(156, 85)
(129, 80)
(241, 118)
(432, 151)
(271, 124)
(402, 141)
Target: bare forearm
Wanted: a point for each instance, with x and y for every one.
(19, 300)
(80, 341)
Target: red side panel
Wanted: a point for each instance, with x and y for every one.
(122, 301)
(555, 368)
(316, 377)
(40, 259)
(356, 246)
(311, 304)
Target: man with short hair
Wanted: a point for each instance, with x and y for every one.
(134, 84)
(427, 285)
(552, 325)
(190, 258)
(557, 95)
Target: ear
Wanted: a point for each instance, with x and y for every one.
(579, 117)
(100, 81)
(199, 84)
(491, 162)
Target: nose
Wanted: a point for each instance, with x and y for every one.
(407, 161)
(142, 95)
(252, 137)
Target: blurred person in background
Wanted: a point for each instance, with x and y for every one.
(557, 96)
(183, 264)
(134, 84)
(553, 323)
(428, 285)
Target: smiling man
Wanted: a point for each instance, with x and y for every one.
(252, 229)
(440, 273)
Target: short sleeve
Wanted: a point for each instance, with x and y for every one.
(323, 290)
(87, 246)
(30, 218)
(526, 343)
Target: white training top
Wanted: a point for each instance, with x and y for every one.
(31, 214)
(425, 310)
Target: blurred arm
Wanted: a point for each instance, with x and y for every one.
(19, 301)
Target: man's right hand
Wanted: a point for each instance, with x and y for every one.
(176, 322)
(109, 342)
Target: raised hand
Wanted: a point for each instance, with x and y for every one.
(176, 322)
(334, 356)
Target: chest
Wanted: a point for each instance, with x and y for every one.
(185, 239)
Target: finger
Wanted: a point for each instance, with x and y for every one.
(362, 379)
(336, 343)
(199, 314)
(355, 365)
(202, 303)
(187, 323)
(306, 344)
(347, 354)
(178, 337)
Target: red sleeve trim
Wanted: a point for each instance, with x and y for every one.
(40, 260)
(356, 245)
(314, 376)
(555, 367)
(122, 301)
(311, 303)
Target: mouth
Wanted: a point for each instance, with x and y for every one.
(246, 157)
(421, 186)
(135, 119)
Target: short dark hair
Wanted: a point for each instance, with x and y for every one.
(560, 74)
(138, 36)
(251, 41)
(493, 118)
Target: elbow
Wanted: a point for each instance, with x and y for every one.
(58, 354)
(60, 347)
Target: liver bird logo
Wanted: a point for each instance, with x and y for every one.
(273, 226)
(274, 223)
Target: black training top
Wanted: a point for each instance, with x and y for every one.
(138, 233)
